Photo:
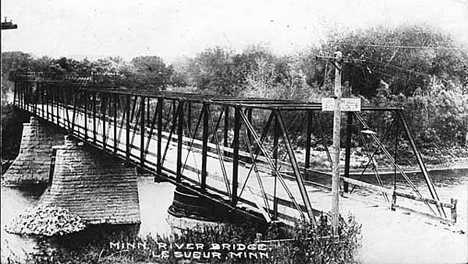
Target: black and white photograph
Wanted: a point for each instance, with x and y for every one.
(234, 131)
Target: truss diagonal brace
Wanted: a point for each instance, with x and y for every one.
(295, 167)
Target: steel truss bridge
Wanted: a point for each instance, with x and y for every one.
(249, 155)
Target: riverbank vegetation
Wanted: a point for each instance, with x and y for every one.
(226, 243)
(414, 67)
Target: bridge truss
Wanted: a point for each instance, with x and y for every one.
(250, 155)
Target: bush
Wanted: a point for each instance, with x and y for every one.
(304, 245)
(315, 245)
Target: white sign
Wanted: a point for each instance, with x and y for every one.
(347, 104)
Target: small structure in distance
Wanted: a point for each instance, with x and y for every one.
(8, 25)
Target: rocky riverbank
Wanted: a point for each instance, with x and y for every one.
(46, 221)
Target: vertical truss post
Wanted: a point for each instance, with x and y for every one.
(180, 134)
(205, 146)
(249, 118)
(41, 97)
(75, 106)
(308, 138)
(116, 98)
(25, 95)
(189, 116)
(22, 94)
(50, 99)
(103, 113)
(127, 128)
(65, 108)
(47, 95)
(34, 98)
(276, 135)
(94, 117)
(57, 105)
(142, 132)
(349, 131)
(15, 92)
(174, 112)
(226, 128)
(85, 101)
(148, 110)
(44, 112)
(235, 162)
(160, 127)
(18, 93)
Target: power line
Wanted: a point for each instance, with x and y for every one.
(400, 46)
(399, 67)
(388, 75)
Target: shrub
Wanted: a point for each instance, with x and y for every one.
(316, 245)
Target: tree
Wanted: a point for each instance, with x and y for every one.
(405, 57)
(221, 71)
(149, 72)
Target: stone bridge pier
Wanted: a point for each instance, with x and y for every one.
(90, 183)
(93, 185)
(32, 165)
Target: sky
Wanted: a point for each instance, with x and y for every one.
(172, 29)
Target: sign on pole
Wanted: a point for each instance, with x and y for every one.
(346, 104)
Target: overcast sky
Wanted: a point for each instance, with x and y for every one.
(171, 29)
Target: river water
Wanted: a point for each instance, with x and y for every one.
(155, 198)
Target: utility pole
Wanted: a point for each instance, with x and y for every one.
(336, 145)
(335, 105)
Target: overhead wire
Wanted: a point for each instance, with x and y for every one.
(400, 46)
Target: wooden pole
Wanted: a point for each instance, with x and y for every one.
(336, 145)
